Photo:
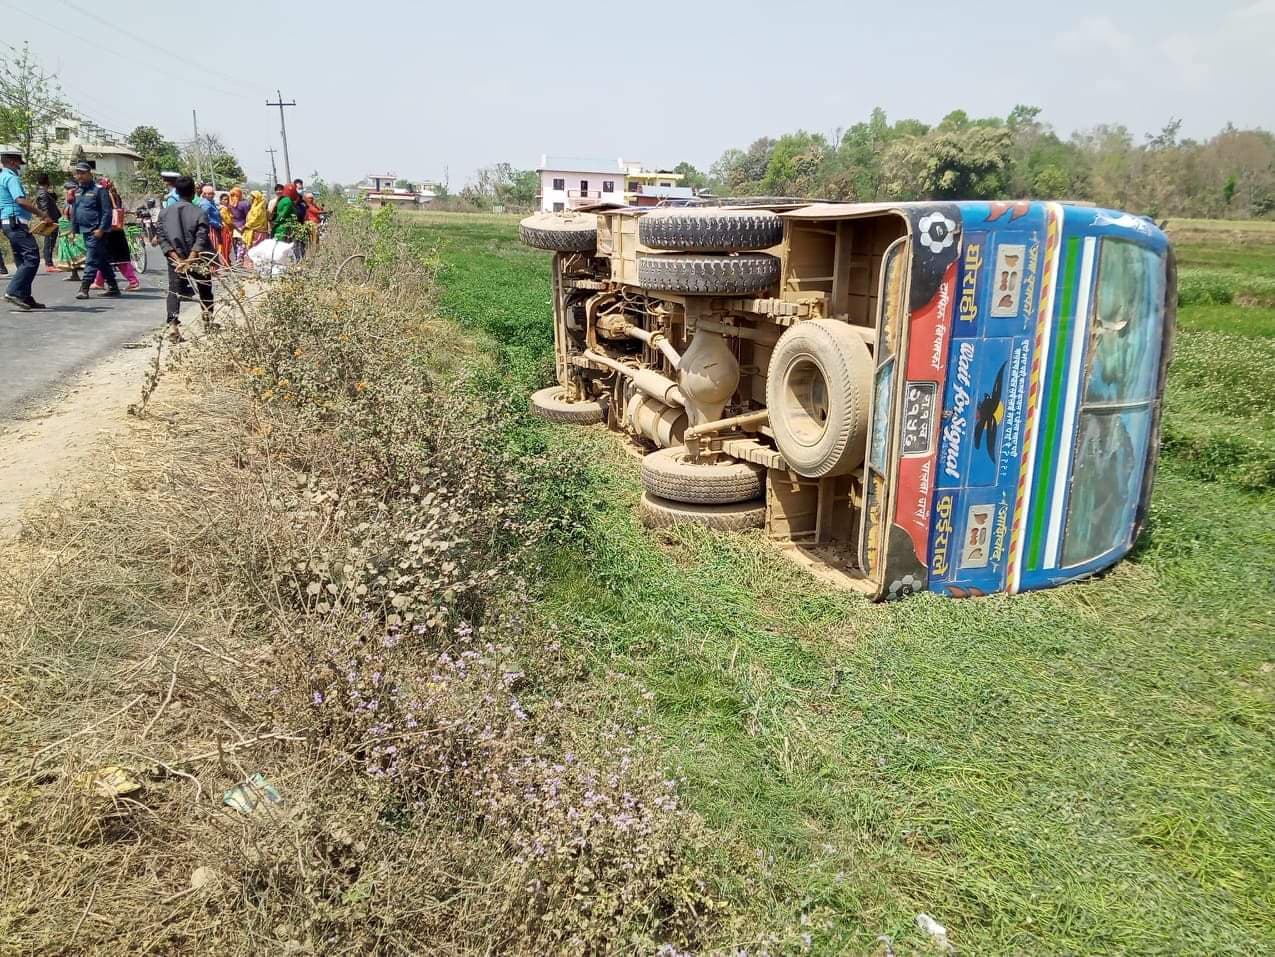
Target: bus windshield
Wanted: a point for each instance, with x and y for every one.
(1114, 425)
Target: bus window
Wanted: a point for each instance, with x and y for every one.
(1114, 425)
(1125, 325)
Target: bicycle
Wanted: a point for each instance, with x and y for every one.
(140, 235)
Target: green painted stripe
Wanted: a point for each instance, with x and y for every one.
(1052, 411)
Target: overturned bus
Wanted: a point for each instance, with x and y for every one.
(956, 397)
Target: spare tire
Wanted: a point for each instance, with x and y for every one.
(657, 512)
(818, 390)
(564, 232)
(552, 404)
(710, 230)
(670, 474)
(710, 275)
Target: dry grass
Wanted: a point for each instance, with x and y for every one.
(311, 562)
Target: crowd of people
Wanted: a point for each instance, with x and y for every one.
(199, 231)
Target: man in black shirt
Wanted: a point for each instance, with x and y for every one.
(46, 201)
(185, 241)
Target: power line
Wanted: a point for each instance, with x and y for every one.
(150, 47)
(132, 59)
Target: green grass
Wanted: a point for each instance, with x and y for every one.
(1081, 770)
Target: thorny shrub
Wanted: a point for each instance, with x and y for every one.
(407, 640)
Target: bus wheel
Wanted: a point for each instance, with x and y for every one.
(818, 391)
(670, 474)
(657, 512)
(708, 275)
(565, 232)
(710, 230)
(552, 404)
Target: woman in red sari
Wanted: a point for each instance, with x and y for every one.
(227, 238)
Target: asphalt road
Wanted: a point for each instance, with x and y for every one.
(42, 349)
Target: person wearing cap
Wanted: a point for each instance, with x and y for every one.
(91, 218)
(15, 217)
(170, 180)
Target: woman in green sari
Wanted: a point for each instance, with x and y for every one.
(70, 252)
(285, 215)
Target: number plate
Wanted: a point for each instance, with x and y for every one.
(918, 417)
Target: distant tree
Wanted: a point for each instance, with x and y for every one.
(691, 176)
(1016, 156)
(521, 189)
(741, 171)
(210, 156)
(502, 184)
(967, 163)
(855, 172)
(157, 153)
(326, 193)
(1110, 154)
(31, 102)
(1052, 182)
(402, 184)
(794, 163)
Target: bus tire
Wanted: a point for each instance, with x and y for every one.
(657, 512)
(818, 390)
(565, 232)
(552, 405)
(710, 230)
(670, 474)
(710, 275)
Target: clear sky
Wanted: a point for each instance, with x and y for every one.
(423, 88)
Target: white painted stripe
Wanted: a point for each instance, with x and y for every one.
(1045, 317)
(1053, 541)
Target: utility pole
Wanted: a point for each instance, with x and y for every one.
(274, 172)
(199, 172)
(283, 131)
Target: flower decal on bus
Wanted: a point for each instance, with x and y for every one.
(937, 232)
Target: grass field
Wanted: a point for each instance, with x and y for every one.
(1076, 771)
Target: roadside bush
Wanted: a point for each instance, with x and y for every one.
(368, 517)
(412, 647)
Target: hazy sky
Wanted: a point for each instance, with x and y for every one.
(420, 88)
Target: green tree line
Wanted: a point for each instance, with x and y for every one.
(1230, 175)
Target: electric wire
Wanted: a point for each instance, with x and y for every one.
(184, 60)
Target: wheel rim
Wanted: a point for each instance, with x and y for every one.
(805, 406)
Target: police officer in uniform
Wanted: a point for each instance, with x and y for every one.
(15, 218)
(91, 218)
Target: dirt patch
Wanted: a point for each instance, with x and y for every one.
(44, 452)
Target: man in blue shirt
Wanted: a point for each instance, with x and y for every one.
(208, 203)
(15, 217)
(91, 218)
(170, 180)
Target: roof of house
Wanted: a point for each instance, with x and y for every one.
(106, 149)
(579, 164)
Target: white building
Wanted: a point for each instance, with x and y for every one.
(381, 189)
(570, 181)
(108, 151)
(567, 182)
